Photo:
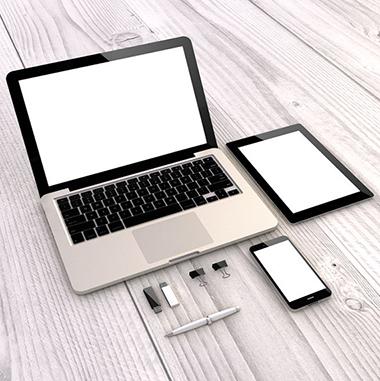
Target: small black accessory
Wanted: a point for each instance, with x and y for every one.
(152, 299)
(198, 273)
(222, 267)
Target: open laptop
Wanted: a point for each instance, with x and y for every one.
(126, 162)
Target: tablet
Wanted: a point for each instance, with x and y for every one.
(298, 173)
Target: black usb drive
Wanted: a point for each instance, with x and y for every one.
(152, 299)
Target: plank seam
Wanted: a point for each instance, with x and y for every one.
(314, 49)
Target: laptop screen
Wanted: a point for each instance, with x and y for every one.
(104, 116)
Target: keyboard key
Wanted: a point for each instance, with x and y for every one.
(212, 199)
(175, 183)
(155, 180)
(64, 206)
(187, 204)
(131, 195)
(109, 202)
(134, 180)
(88, 200)
(148, 207)
(181, 197)
(192, 185)
(102, 230)
(121, 184)
(222, 184)
(203, 191)
(115, 226)
(115, 208)
(192, 194)
(143, 192)
(110, 187)
(182, 189)
(176, 168)
(91, 215)
(137, 201)
(233, 192)
(125, 214)
(126, 205)
(85, 208)
(89, 234)
(171, 192)
(176, 175)
(150, 216)
(203, 182)
(196, 176)
(111, 193)
(153, 188)
(75, 220)
(164, 186)
(186, 180)
(221, 193)
(133, 187)
(120, 198)
(76, 203)
(159, 195)
(101, 221)
(103, 212)
(136, 211)
(98, 190)
(149, 198)
(144, 184)
(170, 200)
(159, 204)
(113, 217)
(200, 200)
(86, 194)
(217, 178)
(63, 201)
(70, 213)
(99, 196)
(77, 238)
(97, 205)
(216, 170)
(154, 174)
(81, 227)
(74, 197)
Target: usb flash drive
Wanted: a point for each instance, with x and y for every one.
(152, 299)
(169, 294)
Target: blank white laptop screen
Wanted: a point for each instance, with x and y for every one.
(105, 116)
(289, 270)
(297, 171)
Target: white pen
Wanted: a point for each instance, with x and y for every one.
(204, 321)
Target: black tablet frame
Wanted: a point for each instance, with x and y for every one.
(305, 300)
(363, 193)
(14, 77)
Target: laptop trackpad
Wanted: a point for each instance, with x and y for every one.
(168, 238)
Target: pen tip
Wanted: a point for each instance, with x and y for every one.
(169, 335)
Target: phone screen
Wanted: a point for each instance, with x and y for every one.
(290, 272)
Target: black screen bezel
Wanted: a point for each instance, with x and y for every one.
(298, 303)
(14, 77)
(363, 193)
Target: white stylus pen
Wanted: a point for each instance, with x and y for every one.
(204, 321)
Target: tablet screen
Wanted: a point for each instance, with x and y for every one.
(297, 171)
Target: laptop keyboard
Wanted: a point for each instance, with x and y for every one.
(113, 207)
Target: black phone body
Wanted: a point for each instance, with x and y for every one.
(294, 278)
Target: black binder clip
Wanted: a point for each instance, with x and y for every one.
(198, 273)
(222, 267)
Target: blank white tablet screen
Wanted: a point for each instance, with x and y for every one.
(100, 117)
(289, 270)
(297, 171)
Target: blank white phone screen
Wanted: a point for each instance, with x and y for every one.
(289, 270)
(297, 171)
(108, 115)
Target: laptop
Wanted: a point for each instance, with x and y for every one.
(126, 163)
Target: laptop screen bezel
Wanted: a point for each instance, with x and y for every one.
(14, 77)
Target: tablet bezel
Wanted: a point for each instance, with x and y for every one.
(362, 194)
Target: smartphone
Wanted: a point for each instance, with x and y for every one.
(290, 273)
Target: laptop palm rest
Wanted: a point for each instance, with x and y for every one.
(174, 236)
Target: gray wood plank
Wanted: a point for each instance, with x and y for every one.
(345, 32)
(47, 332)
(257, 77)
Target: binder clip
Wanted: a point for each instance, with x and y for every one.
(198, 273)
(222, 267)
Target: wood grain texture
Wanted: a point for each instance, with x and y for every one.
(258, 76)
(47, 332)
(346, 32)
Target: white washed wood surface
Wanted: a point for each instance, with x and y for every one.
(258, 76)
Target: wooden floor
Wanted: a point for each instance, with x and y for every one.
(264, 64)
